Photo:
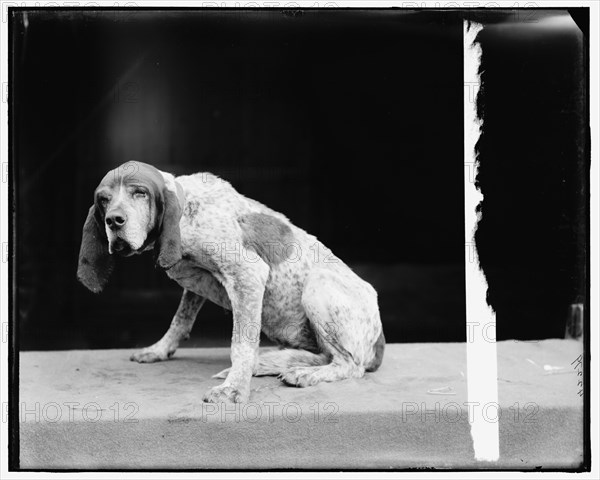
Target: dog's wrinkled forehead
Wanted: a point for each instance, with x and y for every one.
(134, 173)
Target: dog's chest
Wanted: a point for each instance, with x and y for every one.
(194, 278)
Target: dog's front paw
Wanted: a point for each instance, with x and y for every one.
(225, 394)
(149, 355)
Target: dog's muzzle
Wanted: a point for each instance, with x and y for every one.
(121, 247)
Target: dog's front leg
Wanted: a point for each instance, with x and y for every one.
(180, 329)
(245, 288)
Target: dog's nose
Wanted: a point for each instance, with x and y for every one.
(115, 220)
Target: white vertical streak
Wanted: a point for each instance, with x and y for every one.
(481, 320)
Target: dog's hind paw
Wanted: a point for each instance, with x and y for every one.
(300, 377)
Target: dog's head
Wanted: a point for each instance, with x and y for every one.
(133, 211)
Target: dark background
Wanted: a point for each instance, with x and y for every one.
(534, 172)
(349, 122)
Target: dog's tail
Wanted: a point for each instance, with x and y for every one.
(276, 362)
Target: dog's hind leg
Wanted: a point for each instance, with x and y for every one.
(276, 362)
(344, 315)
(180, 329)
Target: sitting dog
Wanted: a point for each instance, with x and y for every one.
(222, 246)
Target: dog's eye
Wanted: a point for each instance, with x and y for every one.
(139, 194)
(103, 201)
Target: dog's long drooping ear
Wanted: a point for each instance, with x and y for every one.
(95, 263)
(169, 239)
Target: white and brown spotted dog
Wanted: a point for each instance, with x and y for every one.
(229, 249)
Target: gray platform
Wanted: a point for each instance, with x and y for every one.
(96, 409)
